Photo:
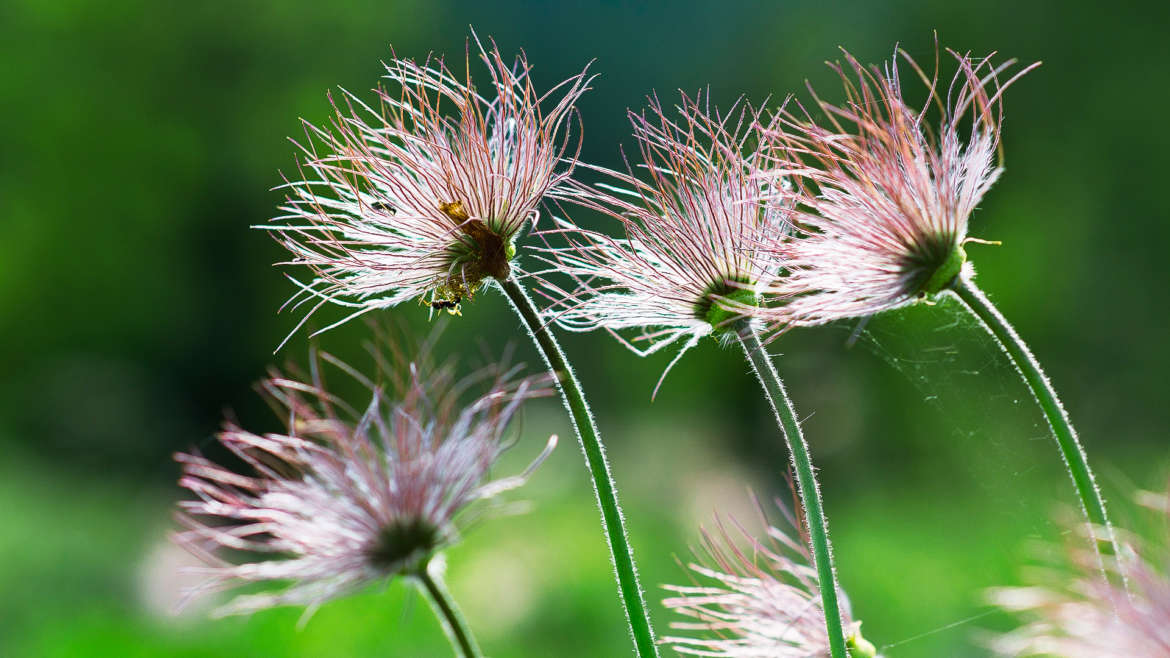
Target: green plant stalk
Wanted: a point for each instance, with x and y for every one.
(1075, 460)
(809, 491)
(449, 616)
(603, 486)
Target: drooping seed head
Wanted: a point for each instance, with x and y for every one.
(885, 198)
(344, 497)
(423, 195)
(694, 215)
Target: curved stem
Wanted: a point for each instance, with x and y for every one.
(453, 622)
(611, 515)
(1029, 368)
(810, 493)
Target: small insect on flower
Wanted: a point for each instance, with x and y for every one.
(690, 263)
(424, 195)
(1081, 614)
(347, 496)
(451, 306)
(755, 598)
(884, 199)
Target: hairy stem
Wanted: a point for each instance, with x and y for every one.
(611, 514)
(1066, 437)
(809, 491)
(453, 622)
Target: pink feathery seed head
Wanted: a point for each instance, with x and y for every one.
(423, 195)
(1081, 614)
(346, 496)
(694, 212)
(755, 598)
(884, 196)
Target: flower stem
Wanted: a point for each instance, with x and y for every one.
(453, 622)
(603, 485)
(1066, 437)
(810, 494)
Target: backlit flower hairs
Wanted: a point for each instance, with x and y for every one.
(423, 196)
(1086, 615)
(883, 198)
(755, 598)
(346, 496)
(694, 216)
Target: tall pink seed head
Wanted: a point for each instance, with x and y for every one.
(423, 195)
(884, 197)
(693, 211)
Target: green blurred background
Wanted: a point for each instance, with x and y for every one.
(141, 138)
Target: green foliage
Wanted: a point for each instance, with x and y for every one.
(140, 141)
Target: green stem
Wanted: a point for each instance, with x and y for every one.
(603, 486)
(453, 622)
(810, 494)
(1029, 368)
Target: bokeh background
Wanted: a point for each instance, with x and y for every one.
(141, 139)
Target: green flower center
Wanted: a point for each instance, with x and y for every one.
(933, 263)
(712, 307)
(403, 546)
(481, 251)
(478, 253)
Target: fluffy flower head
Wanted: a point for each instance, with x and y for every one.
(343, 496)
(758, 599)
(885, 198)
(690, 261)
(422, 196)
(1084, 615)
